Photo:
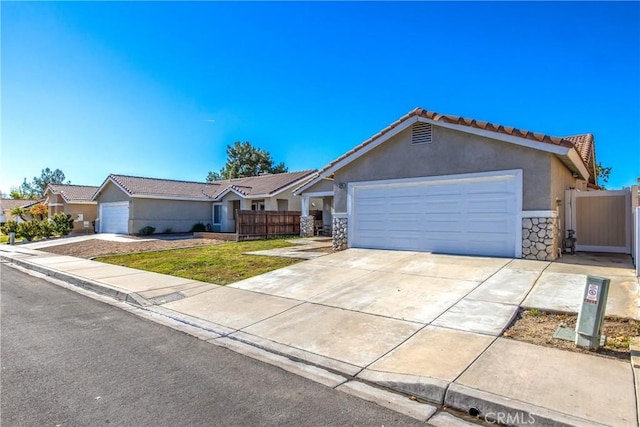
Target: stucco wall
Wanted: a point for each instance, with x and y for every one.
(89, 213)
(178, 215)
(561, 180)
(111, 193)
(451, 152)
(322, 185)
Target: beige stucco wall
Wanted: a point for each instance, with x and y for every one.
(451, 152)
(562, 180)
(111, 193)
(321, 186)
(89, 213)
(178, 215)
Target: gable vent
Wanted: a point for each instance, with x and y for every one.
(421, 133)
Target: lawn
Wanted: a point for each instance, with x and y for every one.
(221, 264)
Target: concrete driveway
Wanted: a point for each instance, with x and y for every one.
(420, 323)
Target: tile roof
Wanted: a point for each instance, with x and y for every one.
(135, 185)
(585, 144)
(445, 118)
(10, 204)
(249, 186)
(78, 193)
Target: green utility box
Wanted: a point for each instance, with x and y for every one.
(591, 315)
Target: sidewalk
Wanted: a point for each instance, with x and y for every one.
(510, 381)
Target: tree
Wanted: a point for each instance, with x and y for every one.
(243, 159)
(47, 177)
(39, 211)
(20, 212)
(23, 191)
(602, 173)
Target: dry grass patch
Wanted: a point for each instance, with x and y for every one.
(537, 327)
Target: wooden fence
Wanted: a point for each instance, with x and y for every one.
(253, 225)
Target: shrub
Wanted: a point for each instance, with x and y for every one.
(62, 223)
(10, 227)
(147, 231)
(29, 229)
(47, 229)
(198, 227)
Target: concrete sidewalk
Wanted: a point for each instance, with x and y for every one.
(421, 324)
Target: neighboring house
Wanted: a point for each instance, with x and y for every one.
(7, 205)
(74, 200)
(433, 182)
(127, 203)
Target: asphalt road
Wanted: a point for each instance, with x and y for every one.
(69, 360)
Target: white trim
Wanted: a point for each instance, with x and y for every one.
(226, 191)
(311, 183)
(539, 214)
(373, 144)
(55, 204)
(319, 194)
(73, 202)
(104, 184)
(524, 142)
(213, 213)
(569, 152)
(476, 176)
(342, 215)
(293, 184)
(455, 177)
(577, 161)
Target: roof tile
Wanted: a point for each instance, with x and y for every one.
(78, 193)
(507, 130)
(250, 186)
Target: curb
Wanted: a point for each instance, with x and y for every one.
(388, 390)
(81, 282)
(498, 409)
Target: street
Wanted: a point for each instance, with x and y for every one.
(70, 360)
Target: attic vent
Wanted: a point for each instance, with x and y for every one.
(421, 133)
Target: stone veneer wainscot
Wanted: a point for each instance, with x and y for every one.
(306, 226)
(540, 236)
(340, 233)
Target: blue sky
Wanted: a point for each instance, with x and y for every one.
(160, 88)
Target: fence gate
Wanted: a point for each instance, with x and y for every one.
(602, 220)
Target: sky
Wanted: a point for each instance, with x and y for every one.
(159, 89)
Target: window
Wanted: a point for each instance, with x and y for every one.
(421, 133)
(217, 214)
(257, 205)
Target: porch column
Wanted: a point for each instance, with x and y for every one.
(306, 222)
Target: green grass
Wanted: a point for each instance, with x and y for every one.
(221, 264)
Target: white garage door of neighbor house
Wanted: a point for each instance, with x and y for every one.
(114, 218)
(470, 214)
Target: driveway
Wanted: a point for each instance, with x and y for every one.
(424, 324)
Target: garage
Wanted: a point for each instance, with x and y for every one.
(114, 217)
(473, 214)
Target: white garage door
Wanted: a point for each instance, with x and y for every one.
(462, 214)
(114, 217)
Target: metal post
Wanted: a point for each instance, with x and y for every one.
(591, 315)
(12, 238)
